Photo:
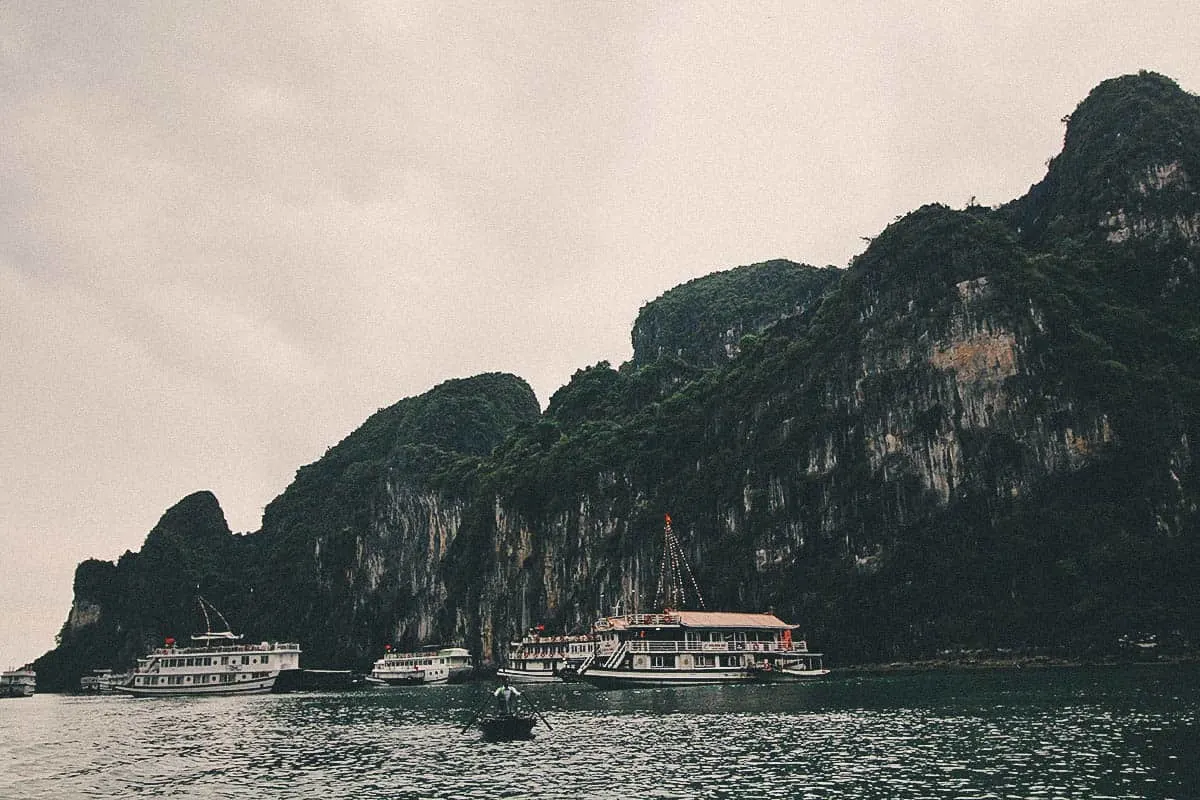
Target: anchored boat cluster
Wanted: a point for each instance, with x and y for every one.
(667, 648)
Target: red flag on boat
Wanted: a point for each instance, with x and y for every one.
(170, 641)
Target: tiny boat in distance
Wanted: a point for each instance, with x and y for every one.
(538, 658)
(102, 681)
(19, 682)
(434, 664)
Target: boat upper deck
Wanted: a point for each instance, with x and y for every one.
(209, 650)
(708, 620)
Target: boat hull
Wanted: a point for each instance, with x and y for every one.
(626, 678)
(791, 675)
(254, 686)
(410, 680)
(505, 727)
(528, 675)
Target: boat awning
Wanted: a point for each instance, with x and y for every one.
(703, 619)
(730, 619)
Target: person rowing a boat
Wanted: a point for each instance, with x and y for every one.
(507, 696)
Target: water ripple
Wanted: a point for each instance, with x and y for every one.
(985, 736)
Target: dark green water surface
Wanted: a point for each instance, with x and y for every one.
(1112, 732)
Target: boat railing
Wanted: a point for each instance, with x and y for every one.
(265, 647)
(653, 619)
(672, 646)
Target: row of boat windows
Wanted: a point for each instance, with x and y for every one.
(212, 661)
(698, 661)
(180, 680)
(551, 652)
(533, 665)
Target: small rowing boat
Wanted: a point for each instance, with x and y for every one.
(506, 727)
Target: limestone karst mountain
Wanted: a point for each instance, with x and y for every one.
(982, 434)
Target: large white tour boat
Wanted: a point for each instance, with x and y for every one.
(433, 664)
(216, 663)
(673, 647)
(539, 659)
(698, 647)
(19, 682)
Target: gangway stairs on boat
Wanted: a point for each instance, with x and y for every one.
(587, 662)
(614, 661)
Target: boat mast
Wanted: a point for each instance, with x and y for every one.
(672, 592)
(209, 633)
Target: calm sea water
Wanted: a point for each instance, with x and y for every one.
(1032, 733)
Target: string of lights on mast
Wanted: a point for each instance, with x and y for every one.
(672, 592)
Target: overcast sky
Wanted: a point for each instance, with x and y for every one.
(229, 232)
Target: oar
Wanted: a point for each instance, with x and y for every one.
(475, 716)
(538, 712)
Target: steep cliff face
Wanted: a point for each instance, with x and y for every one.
(981, 434)
(365, 535)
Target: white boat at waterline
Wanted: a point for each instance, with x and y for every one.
(674, 647)
(434, 664)
(103, 681)
(538, 658)
(217, 663)
(18, 682)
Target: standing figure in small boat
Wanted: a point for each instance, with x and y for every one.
(506, 695)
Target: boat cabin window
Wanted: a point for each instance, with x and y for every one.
(662, 662)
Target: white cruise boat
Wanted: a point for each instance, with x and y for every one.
(459, 662)
(216, 663)
(673, 648)
(698, 647)
(102, 681)
(540, 659)
(431, 665)
(19, 682)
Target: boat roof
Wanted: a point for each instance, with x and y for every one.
(709, 619)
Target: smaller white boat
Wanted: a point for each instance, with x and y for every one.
(538, 658)
(20, 682)
(433, 664)
(102, 681)
(459, 662)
